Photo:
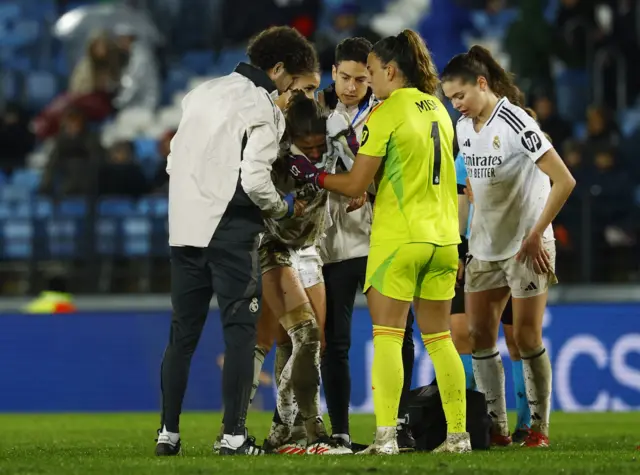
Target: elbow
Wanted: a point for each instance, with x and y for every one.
(356, 189)
(570, 184)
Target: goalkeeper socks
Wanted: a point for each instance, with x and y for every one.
(387, 374)
(451, 379)
(537, 377)
(522, 405)
(467, 363)
(258, 360)
(489, 374)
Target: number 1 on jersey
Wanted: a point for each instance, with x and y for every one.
(437, 152)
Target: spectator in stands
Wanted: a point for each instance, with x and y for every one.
(75, 159)
(140, 84)
(100, 69)
(558, 129)
(16, 141)
(611, 218)
(602, 130)
(529, 43)
(161, 179)
(344, 24)
(576, 32)
(443, 29)
(120, 175)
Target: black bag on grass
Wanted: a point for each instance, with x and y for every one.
(429, 426)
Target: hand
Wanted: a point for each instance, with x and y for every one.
(460, 276)
(468, 191)
(301, 169)
(338, 124)
(533, 250)
(357, 203)
(295, 208)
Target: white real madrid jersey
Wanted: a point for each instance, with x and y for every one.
(509, 190)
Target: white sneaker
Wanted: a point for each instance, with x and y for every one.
(386, 443)
(459, 443)
(288, 448)
(328, 446)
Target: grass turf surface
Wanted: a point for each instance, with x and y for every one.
(123, 444)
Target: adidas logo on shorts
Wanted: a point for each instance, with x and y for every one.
(530, 287)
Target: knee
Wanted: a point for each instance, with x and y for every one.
(481, 337)
(240, 336)
(527, 338)
(514, 352)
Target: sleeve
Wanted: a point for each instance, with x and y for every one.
(260, 151)
(461, 174)
(376, 133)
(527, 138)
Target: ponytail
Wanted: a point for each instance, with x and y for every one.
(479, 62)
(409, 51)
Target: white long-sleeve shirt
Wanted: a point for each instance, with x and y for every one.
(226, 143)
(349, 234)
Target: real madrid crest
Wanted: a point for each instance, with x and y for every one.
(496, 142)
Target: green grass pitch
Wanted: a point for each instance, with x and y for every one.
(123, 444)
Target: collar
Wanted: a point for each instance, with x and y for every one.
(331, 98)
(256, 75)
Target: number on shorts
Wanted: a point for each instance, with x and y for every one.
(437, 152)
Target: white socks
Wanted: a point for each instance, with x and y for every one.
(489, 375)
(537, 379)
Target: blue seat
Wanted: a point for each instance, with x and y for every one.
(198, 62)
(27, 178)
(136, 236)
(9, 12)
(155, 206)
(107, 236)
(72, 208)
(14, 193)
(116, 207)
(146, 148)
(41, 87)
(5, 211)
(63, 237)
(11, 84)
(177, 80)
(17, 239)
(228, 60)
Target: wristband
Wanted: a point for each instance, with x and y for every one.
(320, 179)
(463, 247)
(289, 199)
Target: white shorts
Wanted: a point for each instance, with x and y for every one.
(306, 262)
(309, 266)
(519, 277)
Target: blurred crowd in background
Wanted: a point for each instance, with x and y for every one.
(90, 95)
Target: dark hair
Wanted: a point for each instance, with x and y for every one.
(410, 53)
(353, 49)
(283, 44)
(479, 62)
(305, 116)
